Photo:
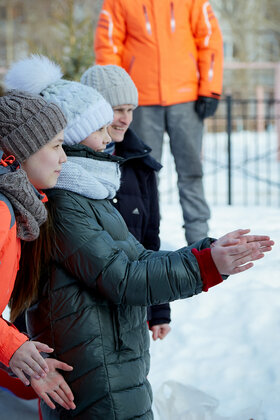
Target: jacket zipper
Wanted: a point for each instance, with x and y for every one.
(148, 23)
(172, 20)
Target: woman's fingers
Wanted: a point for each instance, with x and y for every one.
(47, 400)
(247, 258)
(56, 396)
(31, 369)
(257, 238)
(237, 233)
(164, 330)
(241, 268)
(155, 330)
(19, 373)
(27, 358)
(242, 248)
(228, 242)
(67, 391)
(266, 249)
(268, 243)
(42, 347)
(62, 366)
(38, 363)
(66, 395)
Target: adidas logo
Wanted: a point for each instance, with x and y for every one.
(135, 211)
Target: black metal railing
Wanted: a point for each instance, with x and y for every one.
(241, 155)
(248, 134)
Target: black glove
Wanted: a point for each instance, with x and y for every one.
(206, 106)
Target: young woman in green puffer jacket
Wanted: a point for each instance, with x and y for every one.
(97, 281)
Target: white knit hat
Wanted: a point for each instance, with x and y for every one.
(113, 82)
(85, 109)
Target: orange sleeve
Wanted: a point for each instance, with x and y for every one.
(11, 339)
(110, 33)
(209, 42)
(5, 218)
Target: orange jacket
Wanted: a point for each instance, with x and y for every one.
(10, 338)
(173, 50)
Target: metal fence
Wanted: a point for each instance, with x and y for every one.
(240, 155)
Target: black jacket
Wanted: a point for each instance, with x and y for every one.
(92, 303)
(138, 203)
(137, 198)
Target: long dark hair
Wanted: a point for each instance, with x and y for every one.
(35, 256)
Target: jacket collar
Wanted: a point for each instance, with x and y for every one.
(79, 150)
(132, 147)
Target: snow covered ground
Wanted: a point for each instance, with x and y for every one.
(225, 342)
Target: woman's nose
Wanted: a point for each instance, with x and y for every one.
(63, 157)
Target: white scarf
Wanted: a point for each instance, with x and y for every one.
(90, 178)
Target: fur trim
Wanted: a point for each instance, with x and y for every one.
(33, 74)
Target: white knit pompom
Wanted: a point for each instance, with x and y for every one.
(33, 74)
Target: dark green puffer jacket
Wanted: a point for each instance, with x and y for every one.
(92, 307)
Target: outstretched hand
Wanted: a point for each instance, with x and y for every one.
(54, 385)
(235, 251)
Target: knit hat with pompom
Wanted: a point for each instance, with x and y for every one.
(27, 123)
(85, 109)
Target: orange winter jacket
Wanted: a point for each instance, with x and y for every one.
(173, 50)
(10, 338)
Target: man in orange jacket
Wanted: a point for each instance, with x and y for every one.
(173, 51)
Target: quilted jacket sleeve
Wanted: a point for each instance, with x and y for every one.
(11, 340)
(92, 255)
(110, 33)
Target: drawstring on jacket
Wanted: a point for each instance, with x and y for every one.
(8, 161)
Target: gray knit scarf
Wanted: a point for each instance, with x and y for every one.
(91, 178)
(29, 210)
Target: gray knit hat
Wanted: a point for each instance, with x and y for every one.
(27, 122)
(113, 82)
(85, 109)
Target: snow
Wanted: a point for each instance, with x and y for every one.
(225, 342)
